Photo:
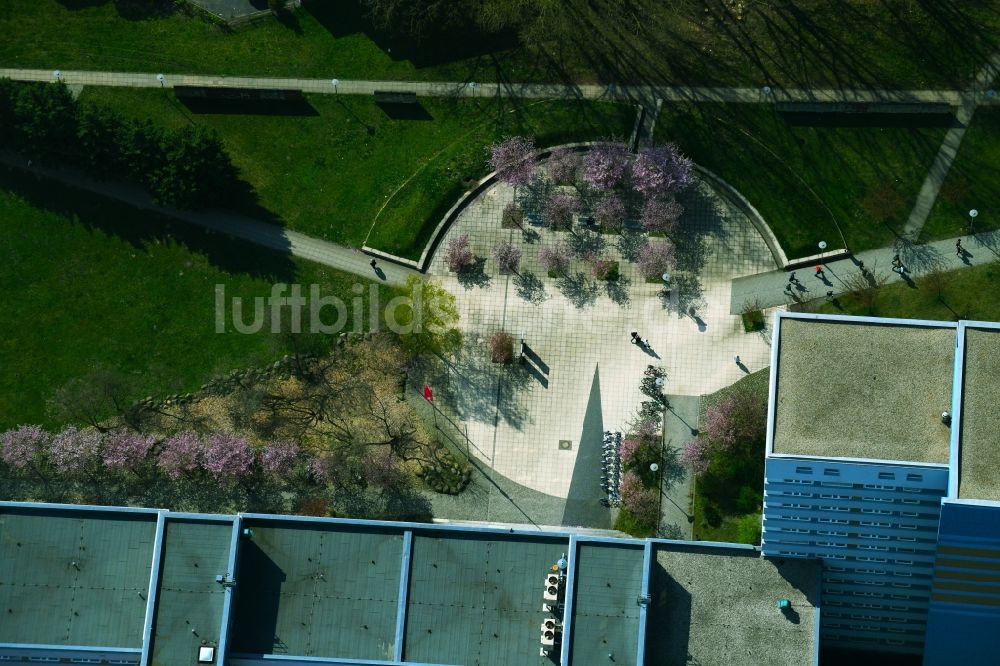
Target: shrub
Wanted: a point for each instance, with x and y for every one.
(459, 255)
(507, 255)
(501, 347)
(748, 529)
(748, 499)
(656, 258)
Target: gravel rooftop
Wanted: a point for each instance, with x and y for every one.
(714, 606)
(980, 455)
(858, 390)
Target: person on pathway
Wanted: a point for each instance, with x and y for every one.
(958, 248)
(792, 279)
(829, 295)
(635, 338)
(645, 343)
(861, 266)
(738, 360)
(895, 262)
(372, 263)
(819, 272)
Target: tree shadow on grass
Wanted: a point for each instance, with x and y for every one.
(142, 228)
(578, 290)
(474, 275)
(529, 287)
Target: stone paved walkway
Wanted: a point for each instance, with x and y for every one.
(266, 234)
(471, 89)
(584, 374)
(769, 289)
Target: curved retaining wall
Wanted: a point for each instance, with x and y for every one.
(726, 190)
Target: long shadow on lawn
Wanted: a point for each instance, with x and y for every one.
(140, 228)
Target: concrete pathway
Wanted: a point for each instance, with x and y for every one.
(266, 234)
(679, 425)
(471, 89)
(771, 289)
(949, 150)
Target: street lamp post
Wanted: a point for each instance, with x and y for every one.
(472, 86)
(335, 83)
(666, 282)
(57, 74)
(161, 78)
(822, 249)
(973, 214)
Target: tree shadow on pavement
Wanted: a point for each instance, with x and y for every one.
(529, 287)
(617, 291)
(685, 296)
(630, 242)
(578, 290)
(474, 275)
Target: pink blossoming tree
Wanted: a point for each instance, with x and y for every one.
(126, 451)
(564, 164)
(514, 160)
(661, 170)
(661, 215)
(507, 255)
(656, 258)
(606, 165)
(23, 446)
(181, 454)
(459, 255)
(228, 456)
(559, 209)
(555, 258)
(697, 454)
(73, 451)
(278, 457)
(610, 212)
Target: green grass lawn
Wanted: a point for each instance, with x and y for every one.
(895, 43)
(92, 284)
(969, 293)
(807, 182)
(973, 182)
(331, 174)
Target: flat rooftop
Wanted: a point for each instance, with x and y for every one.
(317, 590)
(74, 577)
(189, 603)
(719, 606)
(477, 598)
(606, 604)
(979, 459)
(856, 389)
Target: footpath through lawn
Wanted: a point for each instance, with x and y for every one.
(346, 167)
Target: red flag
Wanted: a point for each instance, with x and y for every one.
(428, 393)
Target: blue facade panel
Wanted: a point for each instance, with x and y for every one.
(963, 623)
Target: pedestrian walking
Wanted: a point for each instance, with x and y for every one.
(819, 272)
(738, 360)
(372, 262)
(645, 343)
(901, 269)
(958, 248)
(792, 279)
(861, 266)
(635, 337)
(829, 295)
(895, 262)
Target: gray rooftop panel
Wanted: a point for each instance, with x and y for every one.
(189, 602)
(980, 453)
(318, 590)
(606, 606)
(74, 578)
(478, 600)
(853, 389)
(719, 606)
